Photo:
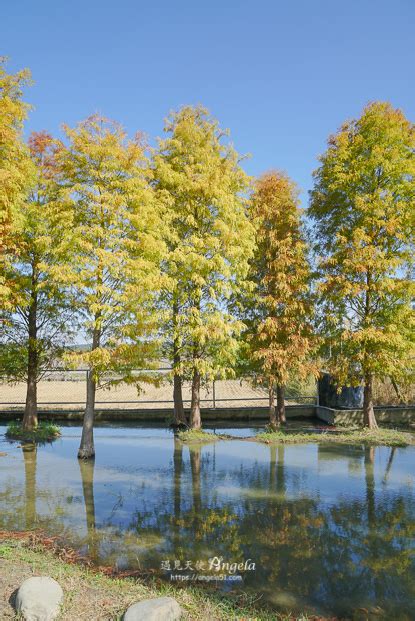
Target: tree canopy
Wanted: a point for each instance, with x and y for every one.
(175, 253)
(280, 335)
(363, 208)
(118, 244)
(210, 241)
(40, 318)
(16, 170)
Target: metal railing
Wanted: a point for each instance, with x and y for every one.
(63, 387)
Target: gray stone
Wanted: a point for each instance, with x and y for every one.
(160, 609)
(39, 599)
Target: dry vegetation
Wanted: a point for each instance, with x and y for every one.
(92, 595)
(386, 394)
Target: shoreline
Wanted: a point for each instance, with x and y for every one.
(90, 588)
(286, 435)
(342, 436)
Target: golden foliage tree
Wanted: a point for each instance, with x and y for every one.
(210, 241)
(117, 251)
(16, 170)
(364, 211)
(37, 322)
(280, 336)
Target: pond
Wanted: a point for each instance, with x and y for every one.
(330, 529)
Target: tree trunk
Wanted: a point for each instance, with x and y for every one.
(179, 415)
(281, 404)
(87, 449)
(195, 419)
(30, 420)
(273, 423)
(397, 390)
(369, 419)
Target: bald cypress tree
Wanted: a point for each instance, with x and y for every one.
(17, 173)
(210, 241)
(363, 208)
(280, 336)
(117, 251)
(39, 319)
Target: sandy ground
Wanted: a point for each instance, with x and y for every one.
(71, 394)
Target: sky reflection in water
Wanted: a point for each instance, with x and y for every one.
(331, 529)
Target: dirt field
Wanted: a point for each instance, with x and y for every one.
(69, 394)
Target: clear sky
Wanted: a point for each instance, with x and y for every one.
(281, 75)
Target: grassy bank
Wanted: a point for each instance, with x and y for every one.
(44, 432)
(338, 435)
(200, 436)
(368, 437)
(91, 594)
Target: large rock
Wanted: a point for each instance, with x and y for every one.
(160, 609)
(39, 599)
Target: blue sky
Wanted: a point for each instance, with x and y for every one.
(280, 75)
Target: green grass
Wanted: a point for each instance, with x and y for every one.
(378, 437)
(89, 593)
(198, 435)
(368, 437)
(44, 432)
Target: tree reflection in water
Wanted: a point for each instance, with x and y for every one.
(30, 459)
(335, 558)
(87, 467)
(27, 504)
(330, 554)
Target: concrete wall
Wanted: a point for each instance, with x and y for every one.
(393, 415)
(165, 414)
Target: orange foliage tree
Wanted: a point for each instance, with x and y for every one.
(281, 337)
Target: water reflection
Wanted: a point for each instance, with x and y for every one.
(30, 456)
(331, 529)
(87, 468)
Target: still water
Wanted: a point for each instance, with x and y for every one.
(330, 529)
